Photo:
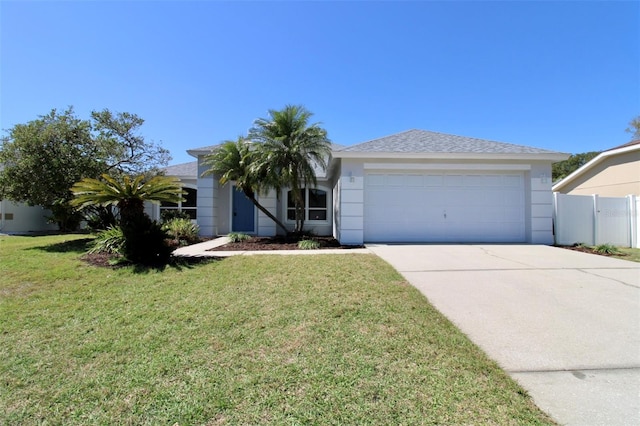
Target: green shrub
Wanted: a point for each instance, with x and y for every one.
(181, 230)
(145, 242)
(110, 241)
(99, 218)
(237, 237)
(606, 249)
(167, 215)
(308, 245)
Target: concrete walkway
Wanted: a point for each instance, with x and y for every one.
(564, 324)
(201, 250)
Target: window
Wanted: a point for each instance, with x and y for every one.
(189, 206)
(315, 205)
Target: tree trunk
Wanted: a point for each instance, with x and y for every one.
(265, 211)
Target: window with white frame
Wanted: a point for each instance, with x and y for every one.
(188, 206)
(315, 205)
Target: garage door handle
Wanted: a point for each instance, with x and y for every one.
(445, 215)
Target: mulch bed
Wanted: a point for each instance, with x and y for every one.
(100, 259)
(280, 243)
(589, 250)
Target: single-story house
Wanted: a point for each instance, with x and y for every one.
(414, 186)
(187, 173)
(20, 218)
(613, 173)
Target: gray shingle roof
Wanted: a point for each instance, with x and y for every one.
(422, 141)
(209, 148)
(184, 169)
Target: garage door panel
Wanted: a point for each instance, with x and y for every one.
(415, 181)
(453, 180)
(433, 180)
(446, 207)
(374, 179)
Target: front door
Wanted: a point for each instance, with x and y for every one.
(243, 213)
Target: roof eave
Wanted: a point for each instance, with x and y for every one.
(591, 164)
(542, 156)
(198, 152)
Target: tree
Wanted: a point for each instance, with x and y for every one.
(144, 239)
(289, 147)
(236, 161)
(634, 128)
(123, 149)
(42, 159)
(562, 169)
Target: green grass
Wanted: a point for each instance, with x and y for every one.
(327, 339)
(626, 253)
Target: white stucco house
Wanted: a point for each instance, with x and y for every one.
(414, 186)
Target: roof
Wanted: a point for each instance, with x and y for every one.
(423, 141)
(632, 143)
(182, 170)
(195, 152)
(425, 144)
(621, 149)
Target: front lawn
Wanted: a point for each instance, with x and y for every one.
(632, 254)
(332, 339)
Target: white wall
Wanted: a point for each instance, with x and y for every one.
(351, 208)
(541, 209)
(22, 218)
(266, 226)
(207, 202)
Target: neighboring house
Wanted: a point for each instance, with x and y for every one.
(613, 173)
(414, 186)
(20, 218)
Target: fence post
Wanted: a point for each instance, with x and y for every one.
(596, 220)
(554, 218)
(633, 219)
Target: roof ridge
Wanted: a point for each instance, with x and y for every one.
(624, 145)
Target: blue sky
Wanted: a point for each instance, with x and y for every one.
(558, 75)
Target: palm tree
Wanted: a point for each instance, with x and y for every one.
(144, 240)
(236, 161)
(289, 147)
(127, 194)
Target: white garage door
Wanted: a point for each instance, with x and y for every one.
(444, 207)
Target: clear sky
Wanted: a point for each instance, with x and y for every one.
(557, 75)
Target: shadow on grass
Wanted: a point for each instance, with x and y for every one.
(177, 263)
(103, 260)
(74, 246)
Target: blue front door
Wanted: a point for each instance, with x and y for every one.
(243, 213)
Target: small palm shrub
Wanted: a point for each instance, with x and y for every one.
(238, 237)
(109, 241)
(606, 249)
(182, 230)
(308, 245)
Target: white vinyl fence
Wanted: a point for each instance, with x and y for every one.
(593, 220)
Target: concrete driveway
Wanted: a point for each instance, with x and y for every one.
(564, 324)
